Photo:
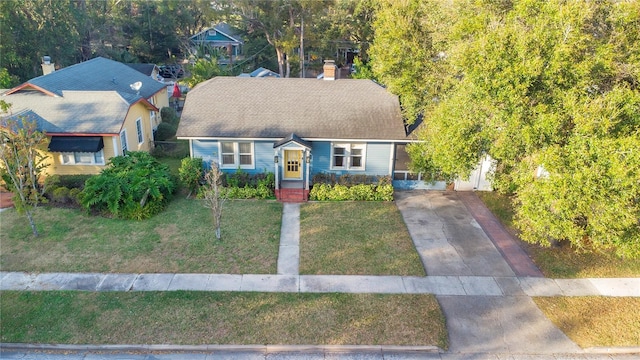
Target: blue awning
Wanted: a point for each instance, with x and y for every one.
(76, 144)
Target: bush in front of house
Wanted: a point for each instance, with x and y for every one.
(191, 173)
(329, 187)
(242, 185)
(64, 190)
(135, 186)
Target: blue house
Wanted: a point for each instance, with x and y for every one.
(297, 128)
(221, 39)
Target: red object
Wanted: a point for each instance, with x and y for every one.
(176, 91)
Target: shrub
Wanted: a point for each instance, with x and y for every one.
(360, 192)
(135, 186)
(74, 195)
(191, 173)
(165, 131)
(60, 194)
(169, 116)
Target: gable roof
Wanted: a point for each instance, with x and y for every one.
(79, 112)
(223, 35)
(146, 69)
(98, 74)
(274, 108)
(92, 97)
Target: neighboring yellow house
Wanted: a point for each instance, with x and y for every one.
(91, 112)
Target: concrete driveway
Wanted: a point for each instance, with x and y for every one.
(451, 242)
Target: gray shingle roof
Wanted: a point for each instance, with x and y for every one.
(98, 74)
(275, 108)
(83, 112)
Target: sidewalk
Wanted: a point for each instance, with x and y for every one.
(436, 285)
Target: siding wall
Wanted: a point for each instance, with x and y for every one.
(378, 156)
(263, 153)
(58, 169)
(377, 159)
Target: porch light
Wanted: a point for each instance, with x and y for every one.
(275, 159)
(308, 159)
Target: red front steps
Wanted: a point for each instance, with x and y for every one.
(292, 195)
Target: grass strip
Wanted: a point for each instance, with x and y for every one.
(180, 239)
(562, 262)
(595, 321)
(356, 238)
(186, 317)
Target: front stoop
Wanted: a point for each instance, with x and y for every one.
(292, 195)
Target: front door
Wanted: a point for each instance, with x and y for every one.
(292, 164)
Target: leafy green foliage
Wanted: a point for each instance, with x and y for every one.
(22, 164)
(165, 131)
(360, 192)
(191, 173)
(532, 84)
(169, 116)
(134, 186)
(203, 69)
(242, 185)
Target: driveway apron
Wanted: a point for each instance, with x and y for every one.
(452, 243)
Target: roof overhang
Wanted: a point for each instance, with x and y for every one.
(293, 138)
(76, 144)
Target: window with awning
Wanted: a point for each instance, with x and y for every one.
(78, 150)
(85, 144)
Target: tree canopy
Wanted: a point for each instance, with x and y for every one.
(545, 88)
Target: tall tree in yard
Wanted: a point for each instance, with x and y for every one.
(22, 164)
(543, 87)
(214, 197)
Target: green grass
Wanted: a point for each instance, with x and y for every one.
(356, 238)
(595, 321)
(180, 239)
(562, 261)
(221, 318)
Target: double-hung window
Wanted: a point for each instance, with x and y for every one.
(123, 141)
(236, 154)
(139, 131)
(82, 158)
(348, 156)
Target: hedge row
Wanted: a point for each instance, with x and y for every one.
(361, 192)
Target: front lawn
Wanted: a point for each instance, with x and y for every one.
(562, 261)
(180, 239)
(595, 321)
(356, 238)
(221, 318)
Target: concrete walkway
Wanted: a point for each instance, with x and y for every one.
(289, 252)
(437, 285)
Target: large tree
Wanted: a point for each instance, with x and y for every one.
(543, 87)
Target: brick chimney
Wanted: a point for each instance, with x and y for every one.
(47, 66)
(329, 69)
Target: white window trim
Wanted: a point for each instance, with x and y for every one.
(139, 131)
(347, 156)
(72, 158)
(236, 156)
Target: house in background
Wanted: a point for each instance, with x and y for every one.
(151, 70)
(297, 128)
(91, 112)
(218, 40)
(260, 72)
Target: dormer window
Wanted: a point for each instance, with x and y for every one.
(211, 32)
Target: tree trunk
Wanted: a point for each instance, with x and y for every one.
(32, 223)
(280, 55)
